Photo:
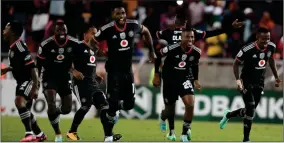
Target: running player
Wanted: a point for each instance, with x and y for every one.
(119, 35)
(55, 56)
(23, 69)
(176, 81)
(86, 87)
(171, 36)
(254, 57)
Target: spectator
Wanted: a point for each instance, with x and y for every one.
(168, 19)
(266, 21)
(151, 22)
(196, 12)
(279, 54)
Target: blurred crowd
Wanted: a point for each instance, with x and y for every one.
(38, 17)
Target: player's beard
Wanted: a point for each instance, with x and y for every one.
(119, 21)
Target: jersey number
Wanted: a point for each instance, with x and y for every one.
(187, 84)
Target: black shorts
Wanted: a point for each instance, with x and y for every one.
(120, 85)
(24, 88)
(88, 93)
(173, 88)
(252, 93)
(62, 87)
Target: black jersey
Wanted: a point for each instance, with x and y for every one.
(254, 62)
(173, 36)
(21, 61)
(85, 60)
(178, 62)
(120, 44)
(57, 59)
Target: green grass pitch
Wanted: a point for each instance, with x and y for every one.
(145, 130)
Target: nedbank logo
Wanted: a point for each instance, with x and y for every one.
(143, 104)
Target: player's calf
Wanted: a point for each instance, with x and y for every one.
(188, 101)
(25, 116)
(128, 104)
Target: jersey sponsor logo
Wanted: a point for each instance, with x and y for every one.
(182, 64)
(92, 59)
(261, 63)
(124, 43)
(60, 50)
(261, 55)
(191, 58)
(98, 33)
(131, 33)
(60, 57)
(122, 35)
(268, 54)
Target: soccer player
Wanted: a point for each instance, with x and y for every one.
(23, 69)
(86, 87)
(254, 57)
(168, 37)
(176, 81)
(119, 35)
(55, 56)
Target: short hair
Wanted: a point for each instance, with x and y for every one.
(16, 27)
(118, 4)
(262, 30)
(87, 27)
(188, 28)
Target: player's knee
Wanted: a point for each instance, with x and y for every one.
(188, 106)
(65, 110)
(85, 108)
(20, 102)
(51, 108)
(250, 110)
(128, 104)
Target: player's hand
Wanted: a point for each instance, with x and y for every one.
(152, 57)
(237, 24)
(240, 85)
(34, 91)
(157, 80)
(78, 75)
(277, 82)
(99, 79)
(4, 71)
(197, 85)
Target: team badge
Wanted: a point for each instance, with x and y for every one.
(60, 57)
(130, 33)
(261, 55)
(92, 59)
(268, 54)
(92, 52)
(122, 35)
(11, 54)
(124, 43)
(261, 63)
(191, 58)
(39, 50)
(69, 49)
(183, 57)
(98, 33)
(182, 64)
(60, 50)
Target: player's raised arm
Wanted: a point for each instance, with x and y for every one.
(206, 34)
(148, 42)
